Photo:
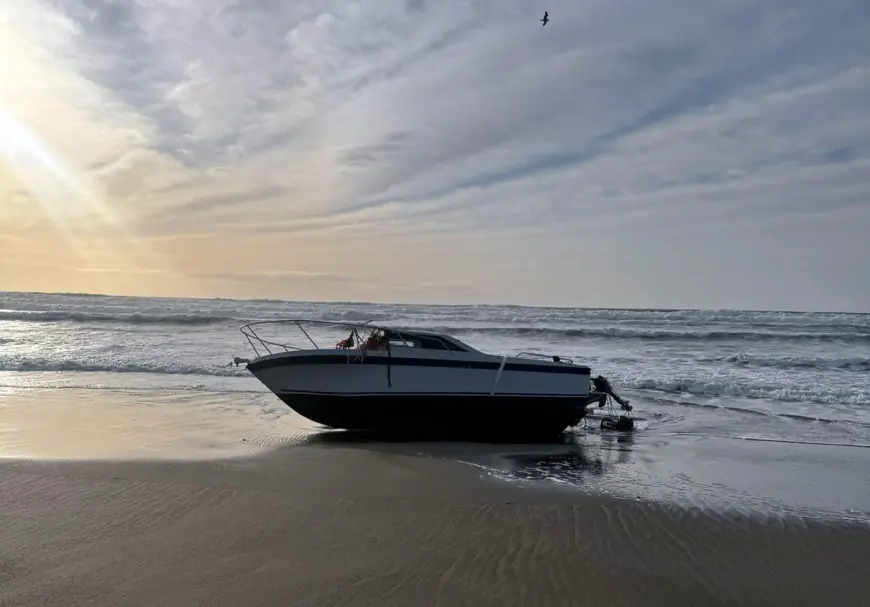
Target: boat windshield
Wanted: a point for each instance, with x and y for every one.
(269, 337)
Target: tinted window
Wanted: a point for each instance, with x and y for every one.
(425, 342)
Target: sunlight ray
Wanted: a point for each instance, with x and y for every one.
(63, 197)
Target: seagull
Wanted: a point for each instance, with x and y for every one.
(545, 19)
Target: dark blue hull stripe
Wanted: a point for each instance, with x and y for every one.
(479, 395)
(398, 361)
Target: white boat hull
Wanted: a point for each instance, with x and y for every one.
(336, 373)
(453, 392)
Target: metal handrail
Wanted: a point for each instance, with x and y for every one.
(251, 335)
(253, 338)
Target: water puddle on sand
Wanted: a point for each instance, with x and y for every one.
(79, 424)
(711, 472)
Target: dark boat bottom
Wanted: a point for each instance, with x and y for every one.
(443, 416)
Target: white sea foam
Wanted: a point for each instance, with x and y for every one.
(135, 318)
(121, 366)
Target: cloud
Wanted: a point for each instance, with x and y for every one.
(258, 276)
(332, 134)
(216, 201)
(122, 270)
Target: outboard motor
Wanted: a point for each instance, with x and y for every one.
(623, 423)
(602, 384)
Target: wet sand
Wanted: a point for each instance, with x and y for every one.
(337, 526)
(87, 519)
(75, 423)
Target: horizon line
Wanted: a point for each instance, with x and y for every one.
(399, 303)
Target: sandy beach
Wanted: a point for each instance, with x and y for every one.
(328, 522)
(336, 526)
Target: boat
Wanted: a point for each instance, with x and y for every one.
(381, 378)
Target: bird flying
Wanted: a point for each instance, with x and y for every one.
(545, 19)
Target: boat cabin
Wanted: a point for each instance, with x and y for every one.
(408, 339)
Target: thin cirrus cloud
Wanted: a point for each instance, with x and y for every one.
(688, 154)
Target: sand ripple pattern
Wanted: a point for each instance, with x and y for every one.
(314, 526)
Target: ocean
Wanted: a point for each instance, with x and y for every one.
(695, 377)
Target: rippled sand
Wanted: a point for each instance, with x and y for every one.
(207, 503)
(334, 526)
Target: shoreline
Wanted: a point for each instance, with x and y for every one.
(653, 463)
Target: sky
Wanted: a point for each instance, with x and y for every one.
(672, 153)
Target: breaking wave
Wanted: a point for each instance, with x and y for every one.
(146, 318)
(713, 389)
(663, 327)
(857, 364)
(135, 318)
(657, 334)
(163, 368)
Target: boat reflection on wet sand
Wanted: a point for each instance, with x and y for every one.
(717, 473)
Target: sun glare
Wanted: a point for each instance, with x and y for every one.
(64, 197)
